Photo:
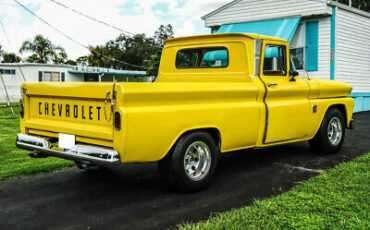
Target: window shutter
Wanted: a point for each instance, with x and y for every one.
(40, 75)
(312, 46)
(63, 78)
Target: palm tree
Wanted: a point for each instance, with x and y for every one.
(10, 58)
(42, 48)
(60, 58)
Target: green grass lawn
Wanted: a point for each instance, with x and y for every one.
(337, 199)
(16, 162)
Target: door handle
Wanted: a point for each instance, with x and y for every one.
(271, 84)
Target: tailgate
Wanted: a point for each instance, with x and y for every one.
(70, 108)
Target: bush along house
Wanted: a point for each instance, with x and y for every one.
(328, 39)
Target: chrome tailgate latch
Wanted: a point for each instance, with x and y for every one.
(113, 101)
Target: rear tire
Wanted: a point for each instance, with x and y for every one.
(191, 163)
(330, 136)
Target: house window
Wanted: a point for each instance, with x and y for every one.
(51, 76)
(274, 63)
(7, 71)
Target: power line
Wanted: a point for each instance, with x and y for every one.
(10, 45)
(73, 40)
(92, 18)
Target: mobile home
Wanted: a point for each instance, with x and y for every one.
(328, 39)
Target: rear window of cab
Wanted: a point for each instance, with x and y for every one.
(213, 57)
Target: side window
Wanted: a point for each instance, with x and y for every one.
(202, 58)
(274, 63)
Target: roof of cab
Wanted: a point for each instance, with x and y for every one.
(221, 35)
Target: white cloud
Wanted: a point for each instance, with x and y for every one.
(21, 26)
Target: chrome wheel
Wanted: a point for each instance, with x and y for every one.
(197, 160)
(335, 131)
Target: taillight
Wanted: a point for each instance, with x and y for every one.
(117, 120)
(21, 108)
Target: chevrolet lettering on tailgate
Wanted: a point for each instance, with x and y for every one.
(213, 94)
(66, 110)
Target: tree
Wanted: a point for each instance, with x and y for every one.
(96, 57)
(10, 58)
(131, 49)
(138, 50)
(70, 62)
(32, 59)
(83, 60)
(153, 63)
(60, 57)
(163, 33)
(42, 48)
(124, 49)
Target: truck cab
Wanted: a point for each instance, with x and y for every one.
(213, 94)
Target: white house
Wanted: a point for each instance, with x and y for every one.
(35, 72)
(328, 39)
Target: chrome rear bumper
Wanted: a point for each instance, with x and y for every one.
(82, 153)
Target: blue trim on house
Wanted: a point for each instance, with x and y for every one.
(111, 73)
(281, 28)
(332, 44)
(366, 94)
(362, 103)
(312, 46)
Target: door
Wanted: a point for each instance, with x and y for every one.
(288, 108)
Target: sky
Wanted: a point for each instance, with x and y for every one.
(135, 16)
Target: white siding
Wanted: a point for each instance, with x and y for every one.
(31, 73)
(352, 50)
(257, 10)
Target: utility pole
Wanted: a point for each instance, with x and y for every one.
(7, 95)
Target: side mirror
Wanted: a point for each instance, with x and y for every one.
(293, 74)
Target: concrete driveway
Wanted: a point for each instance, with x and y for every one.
(132, 197)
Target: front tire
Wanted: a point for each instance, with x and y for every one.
(330, 137)
(191, 163)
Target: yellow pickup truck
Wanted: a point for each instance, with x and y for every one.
(213, 94)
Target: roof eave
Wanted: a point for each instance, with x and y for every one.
(220, 9)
